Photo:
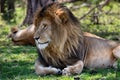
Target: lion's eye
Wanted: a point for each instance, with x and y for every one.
(14, 32)
(44, 26)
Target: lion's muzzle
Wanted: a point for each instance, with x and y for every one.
(40, 44)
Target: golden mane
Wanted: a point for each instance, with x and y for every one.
(67, 36)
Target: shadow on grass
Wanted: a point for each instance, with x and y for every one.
(16, 68)
(16, 61)
(17, 49)
(104, 74)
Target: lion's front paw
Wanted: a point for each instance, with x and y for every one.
(72, 70)
(66, 72)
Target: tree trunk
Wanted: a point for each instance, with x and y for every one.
(2, 6)
(10, 8)
(7, 7)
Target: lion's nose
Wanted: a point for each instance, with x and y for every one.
(36, 38)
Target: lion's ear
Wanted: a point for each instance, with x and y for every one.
(14, 29)
(61, 14)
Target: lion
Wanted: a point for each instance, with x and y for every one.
(22, 37)
(64, 49)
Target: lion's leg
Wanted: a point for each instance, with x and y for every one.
(41, 70)
(73, 69)
(116, 53)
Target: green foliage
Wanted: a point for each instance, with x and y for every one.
(17, 62)
(7, 10)
(11, 16)
(94, 1)
(109, 24)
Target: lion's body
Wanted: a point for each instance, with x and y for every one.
(100, 53)
(23, 37)
(62, 45)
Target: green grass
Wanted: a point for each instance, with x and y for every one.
(17, 62)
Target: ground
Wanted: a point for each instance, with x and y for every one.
(17, 62)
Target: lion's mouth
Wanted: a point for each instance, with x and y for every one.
(43, 42)
(41, 45)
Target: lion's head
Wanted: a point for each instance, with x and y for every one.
(55, 24)
(57, 32)
(22, 37)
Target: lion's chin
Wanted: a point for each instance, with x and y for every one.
(41, 46)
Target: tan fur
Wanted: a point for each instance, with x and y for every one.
(76, 69)
(44, 70)
(22, 37)
(67, 46)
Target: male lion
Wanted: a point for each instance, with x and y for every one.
(62, 47)
(22, 37)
